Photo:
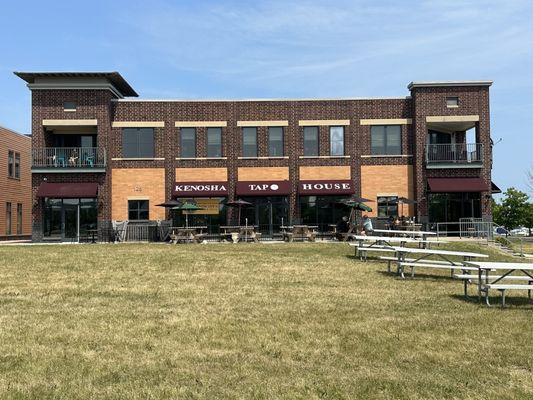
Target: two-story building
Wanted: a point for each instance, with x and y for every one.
(101, 154)
(15, 185)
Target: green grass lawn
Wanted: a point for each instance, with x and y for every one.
(248, 321)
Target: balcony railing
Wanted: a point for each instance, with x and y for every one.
(457, 153)
(69, 157)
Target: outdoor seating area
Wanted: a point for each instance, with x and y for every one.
(462, 265)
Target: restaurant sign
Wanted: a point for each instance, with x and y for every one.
(199, 189)
(326, 187)
(263, 188)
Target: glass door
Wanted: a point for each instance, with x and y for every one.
(70, 219)
(52, 218)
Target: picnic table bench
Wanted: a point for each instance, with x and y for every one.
(303, 232)
(499, 282)
(423, 262)
(187, 234)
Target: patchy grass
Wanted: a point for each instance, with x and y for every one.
(248, 321)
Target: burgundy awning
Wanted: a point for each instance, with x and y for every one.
(326, 187)
(262, 188)
(67, 190)
(446, 185)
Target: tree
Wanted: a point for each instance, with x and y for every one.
(528, 220)
(514, 209)
(529, 179)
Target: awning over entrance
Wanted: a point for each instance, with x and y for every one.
(494, 188)
(67, 190)
(449, 185)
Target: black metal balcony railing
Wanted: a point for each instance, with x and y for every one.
(457, 153)
(69, 157)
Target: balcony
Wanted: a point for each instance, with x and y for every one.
(457, 155)
(68, 159)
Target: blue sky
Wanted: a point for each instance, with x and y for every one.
(237, 49)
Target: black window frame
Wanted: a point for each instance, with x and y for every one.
(391, 202)
(317, 130)
(219, 152)
(343, 140)
(138, 143)
(255, 153)
(270, 142)
(386, 149)
(183, 144)
(134, 206)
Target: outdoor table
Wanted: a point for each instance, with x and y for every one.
(508, 267)
(93, 233)
(401, 252)
(380, 240)
(300, 231)
(423, 234)
(187, 233)
(239, 233)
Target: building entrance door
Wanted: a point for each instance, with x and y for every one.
(70, 219)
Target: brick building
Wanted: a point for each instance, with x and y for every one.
(101, 154)
(15, 184)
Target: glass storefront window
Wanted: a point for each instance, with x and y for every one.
(213, 214)
(451, 207)
(69, 218)
(268, 213)
(322, 211)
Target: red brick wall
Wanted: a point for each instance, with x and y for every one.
(47, 104)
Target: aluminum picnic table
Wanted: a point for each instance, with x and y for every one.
(444, 255)
(485, 282)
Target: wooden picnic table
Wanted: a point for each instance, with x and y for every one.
(487, 282)
(238, 233)
(304, 232)
(187, 234)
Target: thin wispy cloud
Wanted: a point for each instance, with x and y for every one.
(299, 48)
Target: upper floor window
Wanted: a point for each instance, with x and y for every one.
(138, 210)
(138, 142)
(452, 102)
(275, 141)
(249, 142)
(69, 106)
(386, 139)
(387, 206)
(188, 142)
(11, 164)
(336, 140)
(311, 141)
(17, 165)
(214, 142)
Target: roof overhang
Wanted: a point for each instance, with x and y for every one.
(422, 84)
(451, 185)
(112, 81)
(67, 190)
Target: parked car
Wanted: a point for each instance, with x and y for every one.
(500, 230)
(520, 231)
